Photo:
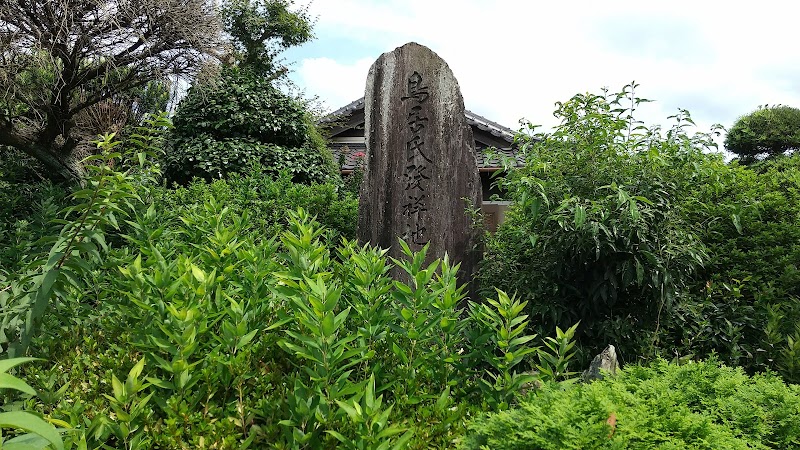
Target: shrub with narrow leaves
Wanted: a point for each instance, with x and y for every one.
(697, 405)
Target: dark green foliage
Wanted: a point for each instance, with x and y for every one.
(28, 205)
(109, 197)
(41, 433)
(241, 119)
(352, 182)
(212, 316)
(261, 29)
(595, 234)
(767, 131)
(240, 104)
(657, 246)
(745, 302)
(698, 405)
(266, 201)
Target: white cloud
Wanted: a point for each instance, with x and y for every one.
(514, 59)
(336, 84)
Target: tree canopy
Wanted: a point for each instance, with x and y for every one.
(239, 119)
(61, 58)
(240, 116)
(261, 29)
(767, 131)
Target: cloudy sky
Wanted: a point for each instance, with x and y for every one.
(514, 59)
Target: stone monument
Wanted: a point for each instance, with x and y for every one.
(421, 172)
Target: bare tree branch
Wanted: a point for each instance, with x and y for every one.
(60, 57)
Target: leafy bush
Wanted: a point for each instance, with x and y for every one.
(109, 196)
(767, 131)
(266, 201)
(654, 244)
(298, 343)
(234, 338)
(697, 405)
(28, 205)
(746, 300)
(596, 233)
(40, 434)
(240, 119)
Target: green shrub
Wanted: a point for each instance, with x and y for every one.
(767, 131)
(240, 119)
(267, 201)
(745, 301)
(278, 342)
(655, 245)
(28, 205)
(697, 405)
(232, 337)
(596, 233)
(41, 434)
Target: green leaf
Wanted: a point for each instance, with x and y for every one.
(338, 436)
(198, 274)
(119, 390)
(580, 216)
(136, 370)
(160, 383)
(634, 210)
(351, 411)
(737, 222)
(328, 325)
(33, 424)
(403, 441)
(244, 340)
(6, 364)
(8, 381)
(443, 400)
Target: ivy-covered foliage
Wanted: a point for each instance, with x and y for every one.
(240, 119)
(697, 405)
(767, 131)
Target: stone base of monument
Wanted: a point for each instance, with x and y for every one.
(604, 364)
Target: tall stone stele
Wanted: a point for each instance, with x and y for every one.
(421, 173)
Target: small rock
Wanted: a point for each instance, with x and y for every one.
(602, 364)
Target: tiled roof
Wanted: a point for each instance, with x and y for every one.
(476, 120)
(345, 110)
(350, 155)
(494, 128)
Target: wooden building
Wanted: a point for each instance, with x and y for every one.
(347, 143)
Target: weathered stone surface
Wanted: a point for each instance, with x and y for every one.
(603, 364)
(421, 172)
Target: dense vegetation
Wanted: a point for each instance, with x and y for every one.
(697, 405)
(239, 119)
(199, 286)
(220, 315)
(766, 132)
(169, 319)
(655, 244)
